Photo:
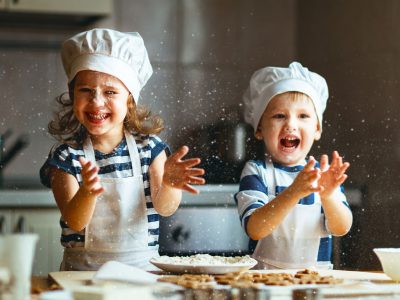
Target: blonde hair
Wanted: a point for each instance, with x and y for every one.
(296, 96)
(66, 128)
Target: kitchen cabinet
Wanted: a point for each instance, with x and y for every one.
(45, 223)
(96, 7)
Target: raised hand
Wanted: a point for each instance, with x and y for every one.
(180, 174)
(333, 175)
(307, 180)
(91, 181)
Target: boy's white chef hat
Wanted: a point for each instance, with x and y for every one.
(271, 81)
(120, 54)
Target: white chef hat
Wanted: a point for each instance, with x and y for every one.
(120, 54)
(268, 82)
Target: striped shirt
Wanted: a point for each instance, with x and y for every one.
(116, 164)
(253, 194)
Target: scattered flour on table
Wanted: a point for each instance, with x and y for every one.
(205, 259)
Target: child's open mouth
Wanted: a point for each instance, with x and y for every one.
(290, 142)
(97, 117)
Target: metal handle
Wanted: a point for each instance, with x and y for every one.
(2, 222)
(179, 235)
(19, 144)
(20, 227)
(8, 132)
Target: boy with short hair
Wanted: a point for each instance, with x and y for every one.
(290, 204)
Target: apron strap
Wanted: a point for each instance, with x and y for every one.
(133, 153)
(132, 149)
(270, 179)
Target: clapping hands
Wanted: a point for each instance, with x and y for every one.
(333, 175)
(324, 179)
(180, 174)
(307, 180)
(91, 181)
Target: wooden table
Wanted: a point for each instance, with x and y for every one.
(361, 285)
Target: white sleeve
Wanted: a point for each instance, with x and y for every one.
(252, 194)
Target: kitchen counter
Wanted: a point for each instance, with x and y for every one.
(27, 198)
(210, 195)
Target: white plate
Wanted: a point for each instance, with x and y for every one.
(56, 295)
(203, 269)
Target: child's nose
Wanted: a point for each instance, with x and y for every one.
(291, 124)
(98, 98)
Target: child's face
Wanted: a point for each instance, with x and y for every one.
(289, 127)
(100, 103)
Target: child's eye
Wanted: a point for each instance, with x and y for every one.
(85, 90)
(110, 92)
(278, 116)
(304, 116)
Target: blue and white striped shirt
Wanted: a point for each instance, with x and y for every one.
(253, 194)
(112, 165)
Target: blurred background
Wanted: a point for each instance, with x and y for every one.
(203, 53)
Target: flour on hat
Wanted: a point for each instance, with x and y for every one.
(268, 82)
(120, 54)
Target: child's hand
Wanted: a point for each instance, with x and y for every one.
(307, 180)
(179, 173)
(91, 181)
(333, 175)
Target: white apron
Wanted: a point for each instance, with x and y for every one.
(295, 242)
(118, 229)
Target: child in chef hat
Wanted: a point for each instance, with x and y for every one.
(111, 176)
(287, 201)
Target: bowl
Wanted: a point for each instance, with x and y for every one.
(390, 261)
